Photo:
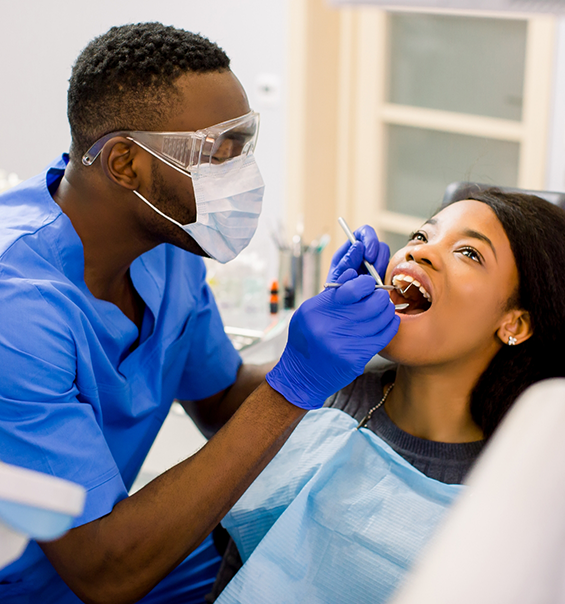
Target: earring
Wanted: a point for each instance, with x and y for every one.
(511, 341)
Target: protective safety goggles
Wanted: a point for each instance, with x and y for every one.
(187, 151)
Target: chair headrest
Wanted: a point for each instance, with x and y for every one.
(456, 191)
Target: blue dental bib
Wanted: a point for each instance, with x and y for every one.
(337, 516)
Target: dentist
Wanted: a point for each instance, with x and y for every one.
(107, 318)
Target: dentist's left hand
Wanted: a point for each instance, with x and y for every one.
(368, 247)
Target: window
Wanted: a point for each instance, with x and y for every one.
(437, 98)
(386, 109)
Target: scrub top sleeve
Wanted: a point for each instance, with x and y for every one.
(46, 424)
(212, 362)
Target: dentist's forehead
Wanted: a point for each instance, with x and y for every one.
(207, 99)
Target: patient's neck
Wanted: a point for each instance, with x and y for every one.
(434, 404)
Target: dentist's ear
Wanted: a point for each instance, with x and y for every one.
(121, 160)
(516, 327)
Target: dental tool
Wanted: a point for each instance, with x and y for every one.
(385, 287)
(411, 282)
(403, 291)
(372, 270)
(388, 288)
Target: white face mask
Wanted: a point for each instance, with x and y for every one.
(228, 204)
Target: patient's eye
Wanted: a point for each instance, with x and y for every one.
(472, 254)
(418, 236)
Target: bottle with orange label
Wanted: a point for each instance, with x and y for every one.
(274, 300)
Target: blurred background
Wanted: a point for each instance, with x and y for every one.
(366, 113)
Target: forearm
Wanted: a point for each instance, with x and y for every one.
(211, 414)
(248, 379)
(149, 533)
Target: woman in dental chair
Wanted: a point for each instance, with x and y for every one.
(341, 513)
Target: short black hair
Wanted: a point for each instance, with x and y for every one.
(125, 78)
(536, 231)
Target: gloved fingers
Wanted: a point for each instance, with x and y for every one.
(336, 258)
(340, 253)
(383, 328)
(372, 314)
(367, 235)
(347, 275)
(354, 290)
(383, 257)
(348, 256)
(384, 337)
(351, 259)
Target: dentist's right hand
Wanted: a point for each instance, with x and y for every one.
(332, 336)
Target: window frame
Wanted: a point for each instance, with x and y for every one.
(363, 104)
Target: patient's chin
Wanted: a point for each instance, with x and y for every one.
(399, 357)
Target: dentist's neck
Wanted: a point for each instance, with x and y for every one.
(109, 234)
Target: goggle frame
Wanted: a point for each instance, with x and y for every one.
(185, 151)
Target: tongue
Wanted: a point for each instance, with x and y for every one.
(412, 310)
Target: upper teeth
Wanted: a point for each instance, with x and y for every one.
(409, 281)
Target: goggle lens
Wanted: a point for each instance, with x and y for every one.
(188, 150)
(236, 142)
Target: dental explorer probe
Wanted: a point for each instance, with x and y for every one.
(387, 287)
(370, 268)
(372, 271)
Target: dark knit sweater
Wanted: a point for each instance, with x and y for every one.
(446, 462)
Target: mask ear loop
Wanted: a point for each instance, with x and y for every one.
(183, 172)
(158, 210)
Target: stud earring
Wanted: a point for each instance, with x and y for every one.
(511, 341)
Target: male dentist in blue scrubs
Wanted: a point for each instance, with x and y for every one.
(107, 318)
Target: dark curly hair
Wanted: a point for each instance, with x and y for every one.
(536, 231)
(125, 79)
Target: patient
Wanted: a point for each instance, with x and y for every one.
(340, 514)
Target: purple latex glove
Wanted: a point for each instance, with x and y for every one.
(332, 336)
(351, 255)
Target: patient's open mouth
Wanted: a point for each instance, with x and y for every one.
(412, 291)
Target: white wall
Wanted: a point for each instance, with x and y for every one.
(40, 40)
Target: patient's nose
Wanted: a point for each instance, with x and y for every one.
(421, 255)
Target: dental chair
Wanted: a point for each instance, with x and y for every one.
(503, 542)
(34, 505)
(456, 191)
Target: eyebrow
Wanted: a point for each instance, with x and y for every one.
(472, 234)
(476, 235)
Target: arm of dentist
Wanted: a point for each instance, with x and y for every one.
(211, 413)
(120, 557)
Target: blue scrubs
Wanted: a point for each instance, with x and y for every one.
(74, 401)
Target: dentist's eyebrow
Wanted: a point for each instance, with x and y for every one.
(476, 235)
